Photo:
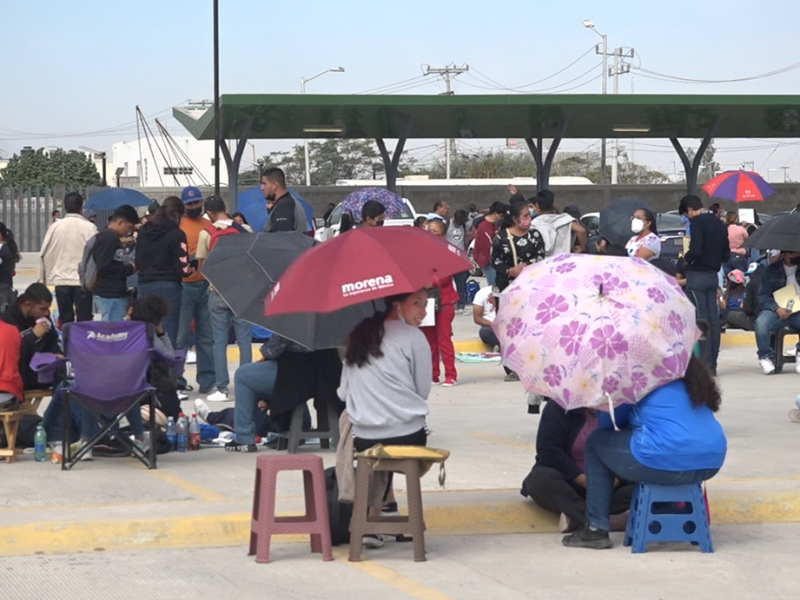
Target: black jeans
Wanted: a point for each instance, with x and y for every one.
(418, 438)
(550, 490)
(460, 279)
(702, 287)
(72, 299)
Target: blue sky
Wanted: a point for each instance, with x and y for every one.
(77, 67)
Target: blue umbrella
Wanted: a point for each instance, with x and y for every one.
(254, 207)
(113, 198)
(395, 207)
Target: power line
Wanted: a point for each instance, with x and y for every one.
(532, 83)
(675, 78)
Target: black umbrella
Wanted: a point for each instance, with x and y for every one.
(782, 233)
(243, 269)
(615, 219)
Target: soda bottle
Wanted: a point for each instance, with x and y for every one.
(40, 444)
(172, 439)
(194, 434)
(181, 431)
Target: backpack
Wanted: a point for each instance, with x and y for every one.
(87, 269)
(556, 231)
(340, 512)
(216, 232)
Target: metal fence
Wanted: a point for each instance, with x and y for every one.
(26, 211)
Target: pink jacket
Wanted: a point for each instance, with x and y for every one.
(736, 236)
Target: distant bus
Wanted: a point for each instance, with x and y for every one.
(423, 181)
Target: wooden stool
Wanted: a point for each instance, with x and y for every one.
(362, 523)
(315, 522)
(11, 419)
(32, 400)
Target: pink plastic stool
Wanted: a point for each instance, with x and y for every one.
(315, 522)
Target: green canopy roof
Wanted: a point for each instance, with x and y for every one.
(495, 116)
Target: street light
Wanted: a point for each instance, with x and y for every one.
(590, 25)
(303, 82)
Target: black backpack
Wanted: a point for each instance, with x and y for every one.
(340, 513)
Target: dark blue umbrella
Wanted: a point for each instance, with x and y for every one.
(254, 207)
(113, 198)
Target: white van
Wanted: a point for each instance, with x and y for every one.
(331, 228)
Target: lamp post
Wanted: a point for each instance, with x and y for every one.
(303, 82)
(217, 125)
(590, 25)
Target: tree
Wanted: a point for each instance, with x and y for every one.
(71, 168)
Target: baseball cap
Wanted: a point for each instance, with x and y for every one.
(736, 276)
(191, 194)
(215, 204)
(751, 268)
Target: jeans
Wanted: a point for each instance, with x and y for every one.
(766, 324)
(608, 455)
(460, 279)
(221, 319)
(702, 288)
(252, 383)
(72, 299)
(440, 339)
(171, 292)
(194, 306)
(112, 309)
(53, 418)
(490, 274)
(488, 336)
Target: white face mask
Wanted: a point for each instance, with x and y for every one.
(637, 225)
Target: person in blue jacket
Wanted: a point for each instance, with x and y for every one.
(671, 437)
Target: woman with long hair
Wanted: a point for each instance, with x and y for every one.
(670, 437)
(9, 257)
(386, 378)
(162, 259)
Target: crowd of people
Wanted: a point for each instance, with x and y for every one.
(584, 469)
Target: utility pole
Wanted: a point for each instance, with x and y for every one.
(303, 82)
(620, 68)
(447, 73)
(785, 174)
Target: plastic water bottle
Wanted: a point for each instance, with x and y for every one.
(40, 444)
(182, 433)
(172, 439)
(194, 434)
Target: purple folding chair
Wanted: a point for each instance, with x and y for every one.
(110, 361)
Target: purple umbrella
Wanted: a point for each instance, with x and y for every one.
(740, 186)
(395, 207)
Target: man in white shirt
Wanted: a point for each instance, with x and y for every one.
(60, 255)
(484, 313)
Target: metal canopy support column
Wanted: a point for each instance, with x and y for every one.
(543, 167)
(692, 169)
(234, 163)
(391, 163)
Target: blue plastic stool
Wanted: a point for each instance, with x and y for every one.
(655, 516)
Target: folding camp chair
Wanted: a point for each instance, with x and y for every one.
(110, 361)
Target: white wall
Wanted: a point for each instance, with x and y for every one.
(192, 166)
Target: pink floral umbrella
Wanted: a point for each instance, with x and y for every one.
(592, 330)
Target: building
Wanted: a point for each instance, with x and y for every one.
(174, 162)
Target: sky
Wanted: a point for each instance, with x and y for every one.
(73, 72)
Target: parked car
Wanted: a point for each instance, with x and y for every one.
(331, 227)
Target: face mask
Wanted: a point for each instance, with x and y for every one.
(525, 223)
(532, 211)
(637, 225)
(194, 213)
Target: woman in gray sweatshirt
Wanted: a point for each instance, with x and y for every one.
(387, 375)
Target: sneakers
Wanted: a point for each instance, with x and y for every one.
(372, 540)
(202, 410)
(511, 377)
(794, 415)
(767, 366)
(586, 537)
(390, 510)
(191, 357)
(182, 396)
(449, 382)
(218, 396)
(237, 447)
